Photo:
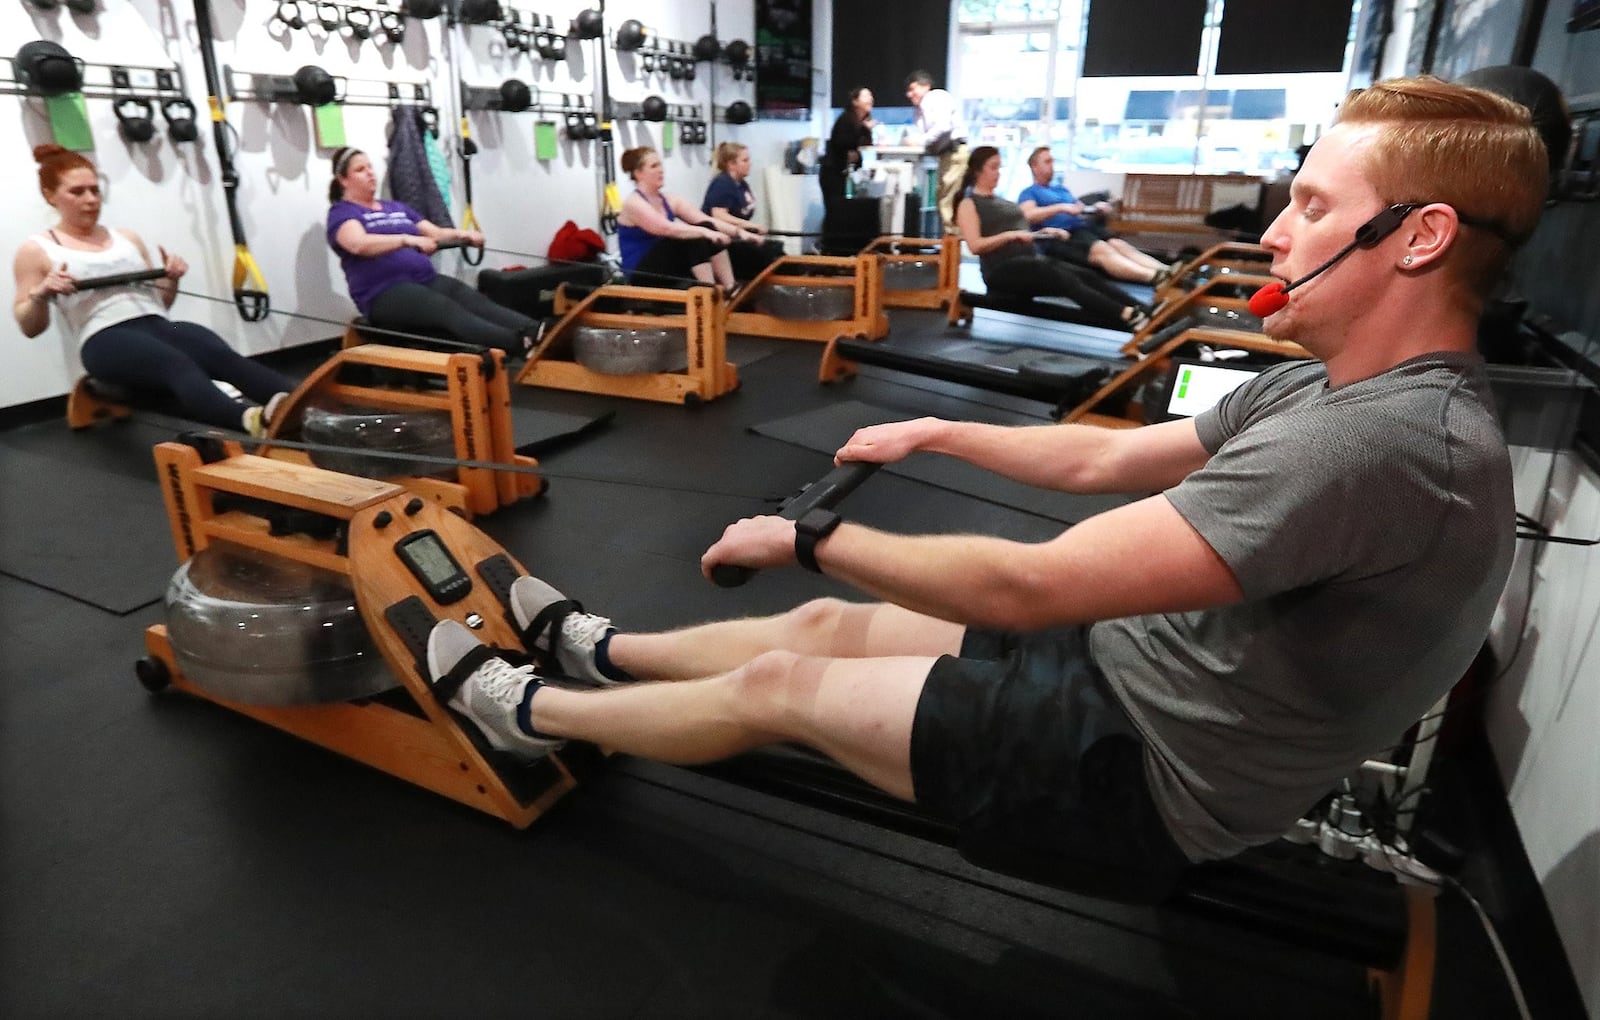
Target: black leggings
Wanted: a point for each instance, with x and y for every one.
(1041, 276)
(155, 353)
(750, 258)
(445, 306)
(670, 262)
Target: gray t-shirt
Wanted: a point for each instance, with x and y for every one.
(996, 216)
(1370, 528)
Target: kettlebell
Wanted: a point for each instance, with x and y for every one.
(393, 26)
(179, 114)
(289, 14)
(654, 108)
(135, 118)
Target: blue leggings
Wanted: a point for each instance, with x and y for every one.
(449, 308)
(181, 358)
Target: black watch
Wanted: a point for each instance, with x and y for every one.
(811, 528)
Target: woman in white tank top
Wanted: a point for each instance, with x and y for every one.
(124, 334)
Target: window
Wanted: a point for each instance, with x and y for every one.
(1017, 69)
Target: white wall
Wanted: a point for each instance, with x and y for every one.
(1543, 714)
(172, 195)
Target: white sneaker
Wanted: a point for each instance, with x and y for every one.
(494, 695)
(541, 612)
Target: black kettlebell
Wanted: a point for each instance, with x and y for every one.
(359, 21)
(422, 10)
(653, 108)
(591, 127)
(315, 87)
(589, 24)
(179, 114)
(47, 68)
(674, 69)
(574, 121)
(515, 96)
(630, 35)
(393, 26)
(135, 118)
(289, 13)
(739, 112)
(328, 17)
(737, 52)
(707, 48)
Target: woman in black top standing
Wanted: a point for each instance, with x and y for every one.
(850, 132)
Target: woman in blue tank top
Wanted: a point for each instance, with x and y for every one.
(666, 241)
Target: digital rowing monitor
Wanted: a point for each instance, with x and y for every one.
(425, 555)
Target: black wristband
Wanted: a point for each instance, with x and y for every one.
(814, 526)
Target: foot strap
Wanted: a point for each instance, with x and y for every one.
(547, 625)
(446, 686)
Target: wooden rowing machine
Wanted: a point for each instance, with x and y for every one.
(474, 389)
(856, 282)
(390, 544)
(696, 312)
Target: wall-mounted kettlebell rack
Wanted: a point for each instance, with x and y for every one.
(135, 92)
(675, 59)
(690, 119)
(526, 31)
(312, 86)
(356, 22)
(576, 110)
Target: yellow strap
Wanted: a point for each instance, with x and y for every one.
(244, 268)
(613, 204)
(216, 107)
(469, 220)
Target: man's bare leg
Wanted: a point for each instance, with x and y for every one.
(822, 627)
(856, 711)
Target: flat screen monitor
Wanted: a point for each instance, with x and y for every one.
(1194, 386)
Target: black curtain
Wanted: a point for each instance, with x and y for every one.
(879, 42)
(1273, 37)
(1136, 37)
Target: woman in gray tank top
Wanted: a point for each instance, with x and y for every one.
(997, 232)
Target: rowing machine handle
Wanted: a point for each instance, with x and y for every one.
(824, 493)
(454, 242)
(119, 279)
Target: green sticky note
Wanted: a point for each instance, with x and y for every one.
(666, 135)
(544, 139)
(69, 121)
(330, 125)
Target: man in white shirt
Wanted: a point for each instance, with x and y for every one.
(942, 135)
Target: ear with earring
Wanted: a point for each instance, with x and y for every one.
(1407, 260)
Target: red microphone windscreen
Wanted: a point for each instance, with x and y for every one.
(1267, 300)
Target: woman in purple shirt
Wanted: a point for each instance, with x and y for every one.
(383, 247)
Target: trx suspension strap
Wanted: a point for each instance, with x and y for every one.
(611, 198)
(249, 289)
(469, 220)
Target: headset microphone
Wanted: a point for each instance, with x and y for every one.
(1275, 296)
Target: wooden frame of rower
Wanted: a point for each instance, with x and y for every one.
(428, 749)
(864, 276)
(477, 395)
(1156, 361)
(893, 248)
(1208, 294)
(1244, 262)
(85, 407)
(709, 373)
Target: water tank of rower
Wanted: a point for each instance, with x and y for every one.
(263, 630)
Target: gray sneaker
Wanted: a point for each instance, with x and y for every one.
(486, 691)
(542, 612)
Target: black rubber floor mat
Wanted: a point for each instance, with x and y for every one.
(120, 554)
